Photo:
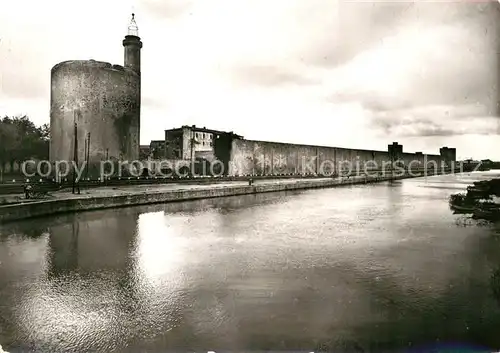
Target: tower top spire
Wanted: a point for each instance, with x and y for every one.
(133, 30)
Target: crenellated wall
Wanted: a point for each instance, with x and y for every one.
(274, 158)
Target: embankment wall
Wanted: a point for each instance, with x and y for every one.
(84, 203)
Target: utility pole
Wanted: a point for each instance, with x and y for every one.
(88, 157)
(75, 158)
(85, 152)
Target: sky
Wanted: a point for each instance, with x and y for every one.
(343, 73)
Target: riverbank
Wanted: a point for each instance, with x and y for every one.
(102, 198)
(481, 201)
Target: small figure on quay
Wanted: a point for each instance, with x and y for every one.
(250, 181)
(27, 190)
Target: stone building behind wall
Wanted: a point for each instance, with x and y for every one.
(144, 152)
(192, 142)
(157, 149)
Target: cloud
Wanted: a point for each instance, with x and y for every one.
(436, 121)
(390, 116)
(270, 76)
(437, 76)
(344, 29)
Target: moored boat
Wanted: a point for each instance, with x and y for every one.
(462, 209)
(487, 214)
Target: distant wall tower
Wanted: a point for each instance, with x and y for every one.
(133, 46)
(448, 155)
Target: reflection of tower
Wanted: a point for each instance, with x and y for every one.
(63, 244)
(93, 250)
(93, 242)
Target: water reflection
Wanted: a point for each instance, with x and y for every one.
(370, 267)
(92, 244)
(63, 249)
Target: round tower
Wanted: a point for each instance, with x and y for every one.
(97, 104)
(133, 45)
(103, 100)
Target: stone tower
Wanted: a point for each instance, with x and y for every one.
(97, 106)
(133, 45)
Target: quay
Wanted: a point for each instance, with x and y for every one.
(114, 197)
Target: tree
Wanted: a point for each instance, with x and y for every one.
(21, 139)
(45, 132)
(8, 141)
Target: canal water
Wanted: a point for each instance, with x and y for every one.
(383, 267)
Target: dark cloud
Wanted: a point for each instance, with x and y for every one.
(439, 131)
(391, 116)
(431, 129)
(371, 101)
(270, 76)
(436, 121)
(453, 89)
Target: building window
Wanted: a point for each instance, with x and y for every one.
(211, 144)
